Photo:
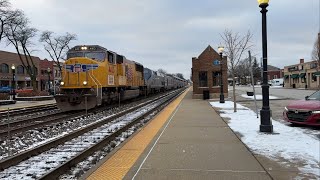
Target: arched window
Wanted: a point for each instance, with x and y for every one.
(20, 69)
(34, 70)
(4, 68)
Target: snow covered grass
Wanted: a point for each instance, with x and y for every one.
(258, 96)
(274, 87)
(289, 143)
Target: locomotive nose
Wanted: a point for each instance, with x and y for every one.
(74, 99)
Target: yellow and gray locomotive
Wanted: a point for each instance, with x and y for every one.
(93, 75)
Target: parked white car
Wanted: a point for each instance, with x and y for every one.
(277, 82)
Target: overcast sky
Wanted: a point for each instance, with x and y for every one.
(168, 33)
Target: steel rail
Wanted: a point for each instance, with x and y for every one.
(55, 173)
(27, 110)
(5, 163)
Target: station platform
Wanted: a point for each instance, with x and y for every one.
(25, 104)
(186, 140)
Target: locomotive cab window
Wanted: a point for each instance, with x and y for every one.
(119, 59)
(110, 57)
(98, 56)
(74, 54)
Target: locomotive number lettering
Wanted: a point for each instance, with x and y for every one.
(111, 69)
(110, 80)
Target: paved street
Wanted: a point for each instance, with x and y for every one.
(278, 91)
(276, 106)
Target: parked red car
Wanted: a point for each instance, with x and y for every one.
(304, 111)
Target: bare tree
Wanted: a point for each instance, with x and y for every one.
(242, 71)
(315, 55)
(180, 75)
(162, 71)
(235, 46)
(19, 34)
(4, 16)
(256, 70)
(56, 46)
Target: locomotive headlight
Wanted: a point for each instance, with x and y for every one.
(61, 83)
(315, 112)
(85, 83)
(84, 48)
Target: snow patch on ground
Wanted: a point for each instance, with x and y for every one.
(291, 143)
(258, 97)
(274, 87)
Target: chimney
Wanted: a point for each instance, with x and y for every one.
(301, 61)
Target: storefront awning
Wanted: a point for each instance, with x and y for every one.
(286, 76)
(294, 76)
(316, 73)
(302, 75)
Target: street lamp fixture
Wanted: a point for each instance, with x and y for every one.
(265, 122)
(220, 49)
(13, 87)
(49, 71)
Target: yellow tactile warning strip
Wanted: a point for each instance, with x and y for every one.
(117, 166)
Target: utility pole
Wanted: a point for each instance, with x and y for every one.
(252, 83)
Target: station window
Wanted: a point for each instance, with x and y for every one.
(216, 78)
(313, 65)
(203, 79)
(4, 68)
(20, 69)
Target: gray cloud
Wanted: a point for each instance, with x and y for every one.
(167, 34)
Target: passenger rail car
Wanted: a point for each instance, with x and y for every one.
(154, 81)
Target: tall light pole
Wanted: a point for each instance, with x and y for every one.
(220, 49)
(13, 86)
(265, 122)
(49, 71)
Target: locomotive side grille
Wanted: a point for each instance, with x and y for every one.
(298, 116)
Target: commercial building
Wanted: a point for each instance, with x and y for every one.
(45, 75)
(22, 79)
(274, 72)
(206, 74)
(302, 75)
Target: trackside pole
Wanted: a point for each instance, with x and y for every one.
(119, 99)
(86, 104)
(252, 83)
(9, 143)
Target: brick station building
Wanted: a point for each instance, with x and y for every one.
(206, 74)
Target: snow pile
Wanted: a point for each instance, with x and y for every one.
(289, 143)
(257, 97)
(274, 87)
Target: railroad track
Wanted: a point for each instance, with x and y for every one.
(27, 133)
(58, 155)
(23, 125)
(26, 110)
(30, 123)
